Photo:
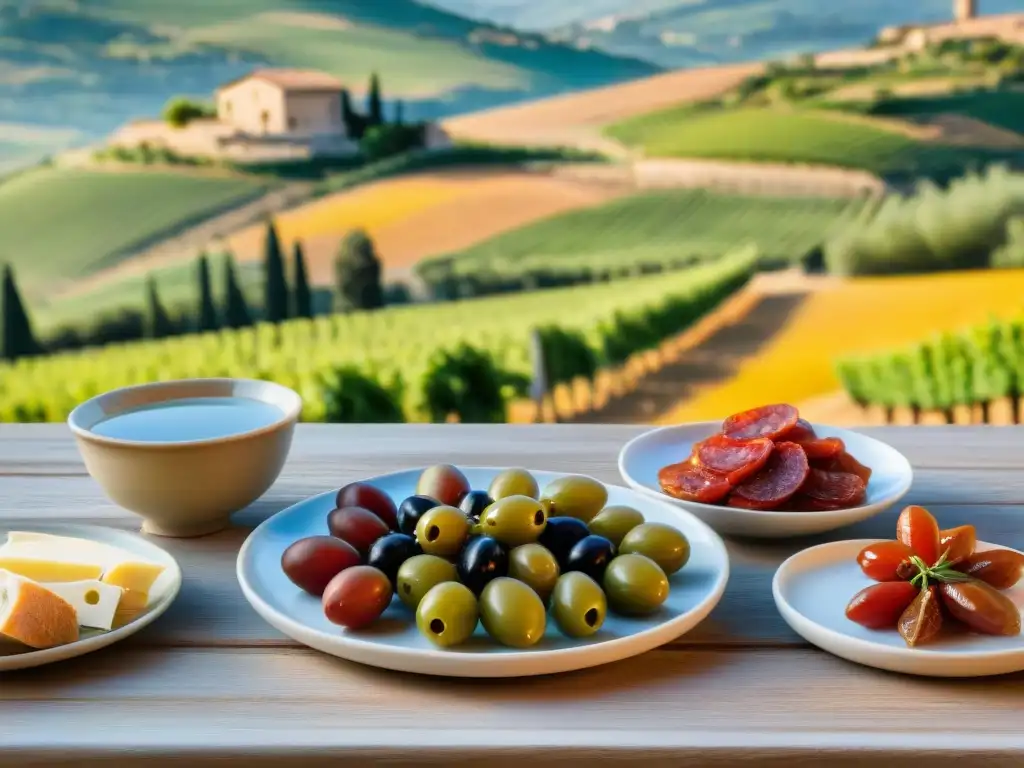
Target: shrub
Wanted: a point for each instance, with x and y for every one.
(180, 111)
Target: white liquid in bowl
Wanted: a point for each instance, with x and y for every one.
(187, 419)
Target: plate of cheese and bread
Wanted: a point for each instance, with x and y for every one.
(67, 590)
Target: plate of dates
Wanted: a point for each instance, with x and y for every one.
(482, 572)
(932, 601)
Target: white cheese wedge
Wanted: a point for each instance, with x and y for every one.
(93, 601)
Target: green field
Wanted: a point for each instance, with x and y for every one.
(1003, 108)
(792, 136)
(394, 348)
(660, 228)
(177, 286)
(59, 224)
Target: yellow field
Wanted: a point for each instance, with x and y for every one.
(420, 215)
(854, 316)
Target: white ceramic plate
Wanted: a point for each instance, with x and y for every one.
(17, 656)
(642, 457)
(393, 642)
(813, 587)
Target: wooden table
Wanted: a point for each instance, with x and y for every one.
(210, 680)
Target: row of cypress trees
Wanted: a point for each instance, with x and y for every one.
(280, 302)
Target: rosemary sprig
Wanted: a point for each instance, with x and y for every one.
(942, 571)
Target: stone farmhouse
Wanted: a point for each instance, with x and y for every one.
(269, 115)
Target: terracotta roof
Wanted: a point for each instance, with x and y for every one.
(292, 79)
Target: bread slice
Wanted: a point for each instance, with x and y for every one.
(33, 615)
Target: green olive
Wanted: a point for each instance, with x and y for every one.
(635, 584)
(575, 496)
(513, 482)
(615, 521)
(512, 613)
(662, 543)
(536, 567)
(578, 604)
(514, 520)
(447, 615)
(442, 531)
(421, 573)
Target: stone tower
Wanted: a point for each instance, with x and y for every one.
(965, 9)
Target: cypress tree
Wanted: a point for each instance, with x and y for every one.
(207, 310)
(357, 273)
(18, 339)
(399, 109)
(354, 126)
(303, 303)
(275, 295)
(158, 322)
(236, 309)
(374, 106)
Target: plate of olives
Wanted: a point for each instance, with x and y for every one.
(483, 572)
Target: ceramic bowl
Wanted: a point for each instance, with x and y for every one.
(186, 487)
(891, 476)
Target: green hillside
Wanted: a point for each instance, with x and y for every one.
(59, 224)
(91, 65)
(664, 228)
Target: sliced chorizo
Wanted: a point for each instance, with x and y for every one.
(801, 432)
(832, 490)
(735, 459)
(777, 481)
(822, 448)
(844, 462)
(690, 482)
(769, 421)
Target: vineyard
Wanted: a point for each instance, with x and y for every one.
(649, 231)
(975, 368)
(465, 359)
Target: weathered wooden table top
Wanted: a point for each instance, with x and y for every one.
(210, 680)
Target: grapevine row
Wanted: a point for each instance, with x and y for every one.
(972, 368)
(415, 363)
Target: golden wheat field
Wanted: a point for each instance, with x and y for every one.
(859, 315)
(420, 215)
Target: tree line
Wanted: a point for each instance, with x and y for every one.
(357, 285)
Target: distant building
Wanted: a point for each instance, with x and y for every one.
(964, 10)
(283, 102)
(269, 115)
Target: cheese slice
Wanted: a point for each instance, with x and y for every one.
(48, 558)
(95, 603)
(33, 615)
(49, 569)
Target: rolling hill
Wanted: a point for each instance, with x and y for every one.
(684, 33)
(90, 65)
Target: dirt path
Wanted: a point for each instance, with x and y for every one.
(730, 335)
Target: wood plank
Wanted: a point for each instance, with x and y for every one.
(698, 707)
(49, 448)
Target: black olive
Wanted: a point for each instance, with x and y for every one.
(411, 510)
(591, 555)
(474, 503)
(389, 552)
(482, 560)
(560, 535)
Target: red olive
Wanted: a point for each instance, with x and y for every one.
(444, 483)
(312, 562)
(369, 497)
(358, 526)
(356, 597)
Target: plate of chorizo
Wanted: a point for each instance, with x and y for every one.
(767, 473)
